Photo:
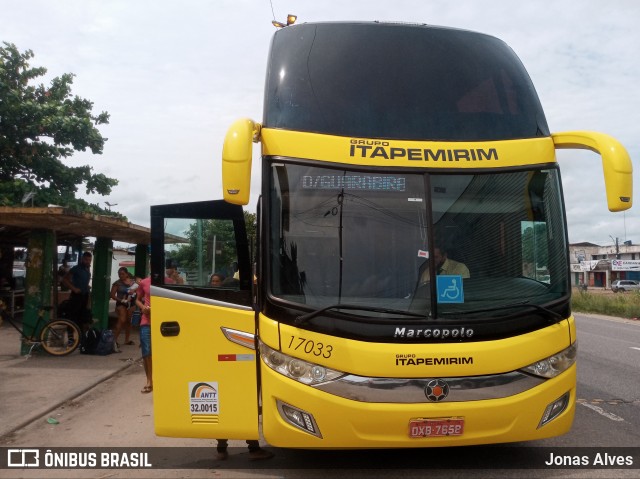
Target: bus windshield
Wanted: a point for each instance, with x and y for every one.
(387, 240)
(446, 85)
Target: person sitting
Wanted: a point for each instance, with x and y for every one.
(448, 266)
(216, 280)
(444, 266)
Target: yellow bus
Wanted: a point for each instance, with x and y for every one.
(408, 284)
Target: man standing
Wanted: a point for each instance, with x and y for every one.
(77, 280)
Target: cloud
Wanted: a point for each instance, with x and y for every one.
(174, 75)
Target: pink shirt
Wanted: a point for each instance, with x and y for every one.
(144, 295)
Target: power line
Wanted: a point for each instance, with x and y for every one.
(272, 12)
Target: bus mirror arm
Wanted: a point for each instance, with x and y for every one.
(616, 163)
(237, 152)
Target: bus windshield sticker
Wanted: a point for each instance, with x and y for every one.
(450, 289)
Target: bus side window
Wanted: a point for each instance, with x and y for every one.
(201, 250)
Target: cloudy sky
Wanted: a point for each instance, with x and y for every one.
(174, 74)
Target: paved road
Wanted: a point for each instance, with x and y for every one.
(115, 414)
(609, 378)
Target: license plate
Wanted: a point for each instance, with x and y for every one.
(449, 426)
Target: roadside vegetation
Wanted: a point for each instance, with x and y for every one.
(623, 305)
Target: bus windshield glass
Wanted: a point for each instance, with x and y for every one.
(438, 245)
(446, 85)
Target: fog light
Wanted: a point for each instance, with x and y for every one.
(554, 409)
(298, 418)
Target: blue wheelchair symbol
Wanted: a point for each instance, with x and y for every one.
(450, 289)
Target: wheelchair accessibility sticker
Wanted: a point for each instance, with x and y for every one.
(450, 289)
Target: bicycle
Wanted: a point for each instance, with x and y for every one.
(58, 338)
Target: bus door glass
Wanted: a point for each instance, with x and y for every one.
(203, 323)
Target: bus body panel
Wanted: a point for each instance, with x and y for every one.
(345, 423)
(419, 360)
(416, 154)
(200, 360)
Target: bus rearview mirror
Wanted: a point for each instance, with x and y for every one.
(616, 163)
(237, 153)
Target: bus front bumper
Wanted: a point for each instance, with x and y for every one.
(299, 416)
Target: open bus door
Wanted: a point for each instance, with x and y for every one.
(203, 336)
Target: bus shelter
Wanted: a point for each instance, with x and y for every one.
(40, 231)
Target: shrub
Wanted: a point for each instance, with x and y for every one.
(625, 305)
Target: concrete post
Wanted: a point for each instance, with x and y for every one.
(101, 281)
(39, 280)
(142, 260)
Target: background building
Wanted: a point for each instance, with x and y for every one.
(597, 266)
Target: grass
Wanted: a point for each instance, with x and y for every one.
(623, 305)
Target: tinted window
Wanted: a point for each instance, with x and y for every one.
(399, 82)
(348, 237)
(193, 242)
(201, 253)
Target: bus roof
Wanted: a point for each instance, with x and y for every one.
(399, 81)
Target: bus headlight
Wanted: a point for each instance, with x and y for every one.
(554, 365)
(298, 369)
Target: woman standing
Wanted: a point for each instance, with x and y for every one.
(120, 291)
(143, 301)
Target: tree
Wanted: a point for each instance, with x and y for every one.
(39, 127)
(209, 243)
(251, 223)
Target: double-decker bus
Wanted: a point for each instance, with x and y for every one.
(409, 281)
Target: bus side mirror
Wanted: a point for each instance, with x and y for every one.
(236, 161)
(616, 164)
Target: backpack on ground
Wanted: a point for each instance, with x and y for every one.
(90, 340)
(105, 344)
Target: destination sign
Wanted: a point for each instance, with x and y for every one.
(354, 182)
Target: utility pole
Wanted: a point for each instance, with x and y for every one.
(617, 243)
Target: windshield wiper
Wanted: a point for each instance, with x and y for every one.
(521, 304)
(303, 318)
